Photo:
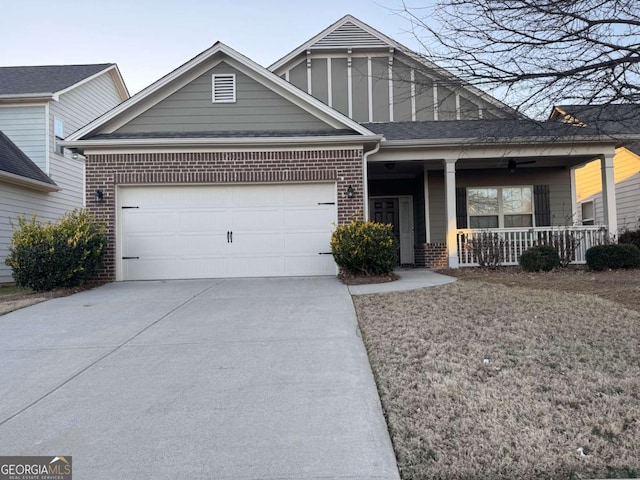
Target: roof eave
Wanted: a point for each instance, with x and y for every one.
(457, 142)
(222, 142)
(28, 182)
(26, 97)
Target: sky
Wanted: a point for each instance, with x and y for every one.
(149, 38)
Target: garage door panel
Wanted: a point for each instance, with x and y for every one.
(150, 246)
(200, 244)
(310, 243)
(181, 231)
(257, 219)
(212, 221)
(319, 217)
(137, 221)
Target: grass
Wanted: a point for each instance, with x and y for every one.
(7, 289)
(562, 372)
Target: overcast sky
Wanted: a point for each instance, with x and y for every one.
(149, 38)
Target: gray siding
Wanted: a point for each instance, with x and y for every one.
(190, 109)
(424, 98)
(319, 79)
(380, 89)
(446, 104)
(559, 181)
(401, 93)
(298, 76)
(401, 87)
(360, 85)
(339, 85)
(26, 127)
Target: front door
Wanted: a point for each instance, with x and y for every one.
(397, 211)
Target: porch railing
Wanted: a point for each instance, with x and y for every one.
(514, 241)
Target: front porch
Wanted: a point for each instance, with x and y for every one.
(520, 196)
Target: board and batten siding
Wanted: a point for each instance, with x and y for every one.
(559, 181)
(412, 89)
(25, 125)
(190, 109)
(17, 200)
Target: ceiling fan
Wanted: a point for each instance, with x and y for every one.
(512, 164)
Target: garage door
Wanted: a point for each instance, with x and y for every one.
(225, 231)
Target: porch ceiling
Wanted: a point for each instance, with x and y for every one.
(412, 168)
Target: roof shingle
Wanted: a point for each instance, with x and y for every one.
(15, 161)
(45, 79)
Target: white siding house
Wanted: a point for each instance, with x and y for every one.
(39, 106)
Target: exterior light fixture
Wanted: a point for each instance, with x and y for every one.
(350, 192)
(99, 196)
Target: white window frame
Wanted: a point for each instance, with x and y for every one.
(58, 134)
(500, 213)
(226, 98)
(592, 220)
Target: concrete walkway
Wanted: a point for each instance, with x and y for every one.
(225, 379)
(410, 279)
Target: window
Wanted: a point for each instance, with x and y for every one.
(588, 215)
(58, 131)
(500, 207)
(224, 88)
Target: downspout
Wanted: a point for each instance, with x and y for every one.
(365, 177)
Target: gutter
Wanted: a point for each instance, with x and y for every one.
(457, 142)
(220, 142)
(28, 182)
(365, 176)
(26, 97)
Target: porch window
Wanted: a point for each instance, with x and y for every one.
(500, 207)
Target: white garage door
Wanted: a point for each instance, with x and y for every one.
(225, 231)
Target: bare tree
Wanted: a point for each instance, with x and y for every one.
(535, 53)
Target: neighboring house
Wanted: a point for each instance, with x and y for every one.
(615, 119)
(223, 168)
(39, 106)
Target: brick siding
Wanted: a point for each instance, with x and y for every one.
(431, 255)
(106, 172)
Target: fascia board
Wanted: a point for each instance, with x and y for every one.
(28, 182)
(253, 141)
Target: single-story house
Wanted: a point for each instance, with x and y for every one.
(224, 168)
(617, 119)
(39, 106)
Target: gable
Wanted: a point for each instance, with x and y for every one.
(372, 78)
(191, 109)
(349, 34)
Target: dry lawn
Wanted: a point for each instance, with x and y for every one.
(562, 372)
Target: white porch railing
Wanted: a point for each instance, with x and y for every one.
(514, 241)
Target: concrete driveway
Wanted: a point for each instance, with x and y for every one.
(211, 379)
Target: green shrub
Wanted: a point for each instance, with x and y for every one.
(364, 248)
(45, 256)
(540, 257)
(613, 256)
(631, 237)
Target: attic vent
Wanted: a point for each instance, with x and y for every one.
(224, 88)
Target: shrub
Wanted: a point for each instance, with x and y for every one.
(364, 248)
(613, 256)
(631, 237)
(64, 254)
(540, 257)
(488, 249)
